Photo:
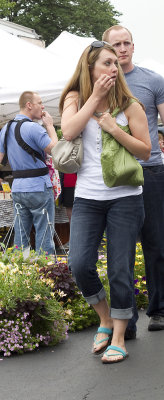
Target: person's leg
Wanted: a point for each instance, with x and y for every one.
(103, 311)
(124, 221)
(113, 354)
(152, 238)
(23, 220)
(41, 205)
(87, 228)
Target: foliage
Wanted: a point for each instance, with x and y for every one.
(39, 300)
(80, 314)
(61, 278)
(16, 336)
(25, 296)
(140, 289)
(6, 8)
(59, 133)
(50, 18)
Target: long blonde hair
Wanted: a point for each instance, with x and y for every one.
(81, 81)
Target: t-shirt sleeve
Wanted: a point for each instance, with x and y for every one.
(159, 89)
(40, 136)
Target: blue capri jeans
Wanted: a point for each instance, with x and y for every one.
(122, 219)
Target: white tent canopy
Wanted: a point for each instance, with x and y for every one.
(25, 66)
(69, 45)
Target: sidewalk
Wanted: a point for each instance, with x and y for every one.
(70, 372)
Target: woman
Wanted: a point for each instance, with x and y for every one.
(96, 88)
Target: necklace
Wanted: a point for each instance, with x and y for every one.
(99, 114)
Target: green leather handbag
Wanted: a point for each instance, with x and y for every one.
(119, 167)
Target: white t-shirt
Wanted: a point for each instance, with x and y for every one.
(90, 183)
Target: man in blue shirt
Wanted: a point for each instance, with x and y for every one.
(148, 87)
(32, 191)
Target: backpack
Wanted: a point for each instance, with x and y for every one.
(27, 173)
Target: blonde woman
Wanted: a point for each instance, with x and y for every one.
(97, 87)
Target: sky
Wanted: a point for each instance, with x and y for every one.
(145, 19)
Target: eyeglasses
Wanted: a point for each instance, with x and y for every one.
(97, 44)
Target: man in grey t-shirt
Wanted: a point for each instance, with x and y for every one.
(148, 87)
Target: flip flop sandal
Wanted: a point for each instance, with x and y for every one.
(107, 339)
(122, 353)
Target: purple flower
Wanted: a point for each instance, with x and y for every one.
(136, 291)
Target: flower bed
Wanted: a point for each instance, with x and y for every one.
(39, 301)
(30, 314)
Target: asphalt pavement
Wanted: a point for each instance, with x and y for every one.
(69, 371)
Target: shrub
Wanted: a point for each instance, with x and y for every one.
(39, 300)
(27, 300)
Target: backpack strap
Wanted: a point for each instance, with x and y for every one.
(35, 154)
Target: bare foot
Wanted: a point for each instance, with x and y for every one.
(114, 354)
(100, 344)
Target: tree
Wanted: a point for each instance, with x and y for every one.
(50, 18)
(5, 8)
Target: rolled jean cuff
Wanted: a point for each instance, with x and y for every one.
(96, 298)
(126, 313)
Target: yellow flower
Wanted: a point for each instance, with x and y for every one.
(68, 312)
(43, 279)
(52, 294)
(50, 282)
(61, 293)
(15, 270)
(37, 297)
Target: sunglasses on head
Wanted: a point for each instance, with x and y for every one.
(97, 44)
